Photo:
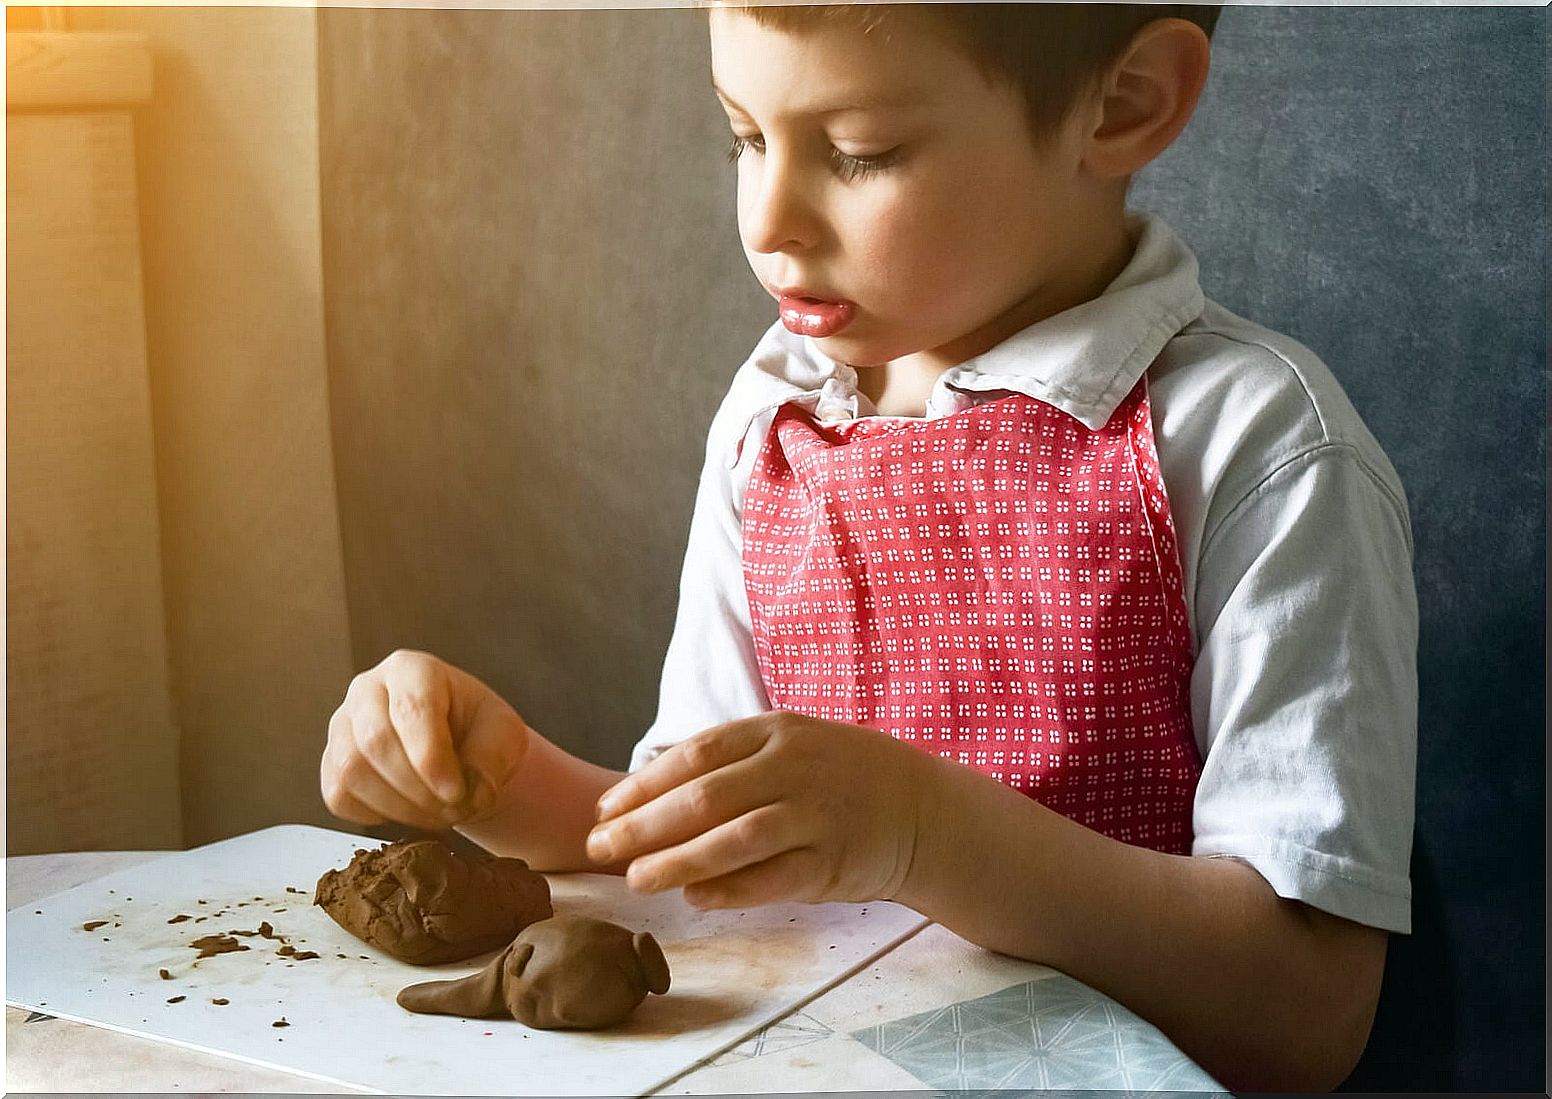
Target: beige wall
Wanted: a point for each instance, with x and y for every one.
(92, 753)
(518, 428)
(258, 636)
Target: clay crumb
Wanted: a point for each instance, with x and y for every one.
(280, 1022)
(305, 955)
(266, 930)
(93, 925)
(204, 902)
(179, 918)
(287, 949)
(175, 999)
(340, 956)
(164, 975)
(296, 891)
(220, 1002)
(211, 945)
(278, 910)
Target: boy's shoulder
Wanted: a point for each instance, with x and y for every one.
(1250, 400)
(781, 368)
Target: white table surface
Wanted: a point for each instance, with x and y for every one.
(936, 1013)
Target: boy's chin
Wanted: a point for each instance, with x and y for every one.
(858, 354)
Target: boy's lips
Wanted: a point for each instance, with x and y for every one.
(809, 315)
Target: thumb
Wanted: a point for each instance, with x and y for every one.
(494, 744)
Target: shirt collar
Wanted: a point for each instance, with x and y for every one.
(1084, 360)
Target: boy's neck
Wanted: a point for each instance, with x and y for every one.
(901, 387)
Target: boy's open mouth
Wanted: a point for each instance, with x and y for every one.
(811, 316)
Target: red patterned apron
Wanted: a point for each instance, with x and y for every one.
(1000, 587)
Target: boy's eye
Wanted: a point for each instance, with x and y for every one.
(850, 167)
(739, 144)
(847, 166)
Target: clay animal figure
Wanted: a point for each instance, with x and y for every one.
(425, 904)
(566, 973)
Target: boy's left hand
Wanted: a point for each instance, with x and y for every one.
(777, 807)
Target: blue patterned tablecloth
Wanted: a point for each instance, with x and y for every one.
(937, 1014)
(1050, 1034)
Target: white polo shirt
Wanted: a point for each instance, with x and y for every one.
(1294, 539)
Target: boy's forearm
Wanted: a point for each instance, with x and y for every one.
(1264, 993)
(544, 812)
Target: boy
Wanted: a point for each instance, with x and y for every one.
(952, 631)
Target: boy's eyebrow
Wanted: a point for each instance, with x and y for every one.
(898, 102)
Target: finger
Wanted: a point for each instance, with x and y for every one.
(355, 778)
(493, 747)
(418, 704)
(752, 838)
(369, 729)
(348, 808)
(706, 751)
(380, 798)
(792, 875)
(336, 796)
(681, 813)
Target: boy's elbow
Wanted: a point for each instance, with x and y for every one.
(1318, 1066)
(1315, 1062)
(1353, 974)
(1301, 1071)
(1329, 1015)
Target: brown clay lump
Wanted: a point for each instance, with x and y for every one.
(425, 904)
(566, 973)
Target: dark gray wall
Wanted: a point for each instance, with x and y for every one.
(535, 299)
(1372, 181)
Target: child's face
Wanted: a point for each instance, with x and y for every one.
(884, 172)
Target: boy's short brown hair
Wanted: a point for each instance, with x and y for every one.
(1052, 53)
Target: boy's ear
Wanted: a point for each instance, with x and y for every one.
(1147, 97)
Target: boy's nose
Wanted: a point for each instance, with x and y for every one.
(777, 215)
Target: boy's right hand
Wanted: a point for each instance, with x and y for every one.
(419, 742)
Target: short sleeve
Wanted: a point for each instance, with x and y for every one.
(1305, 687)
(710, 674)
